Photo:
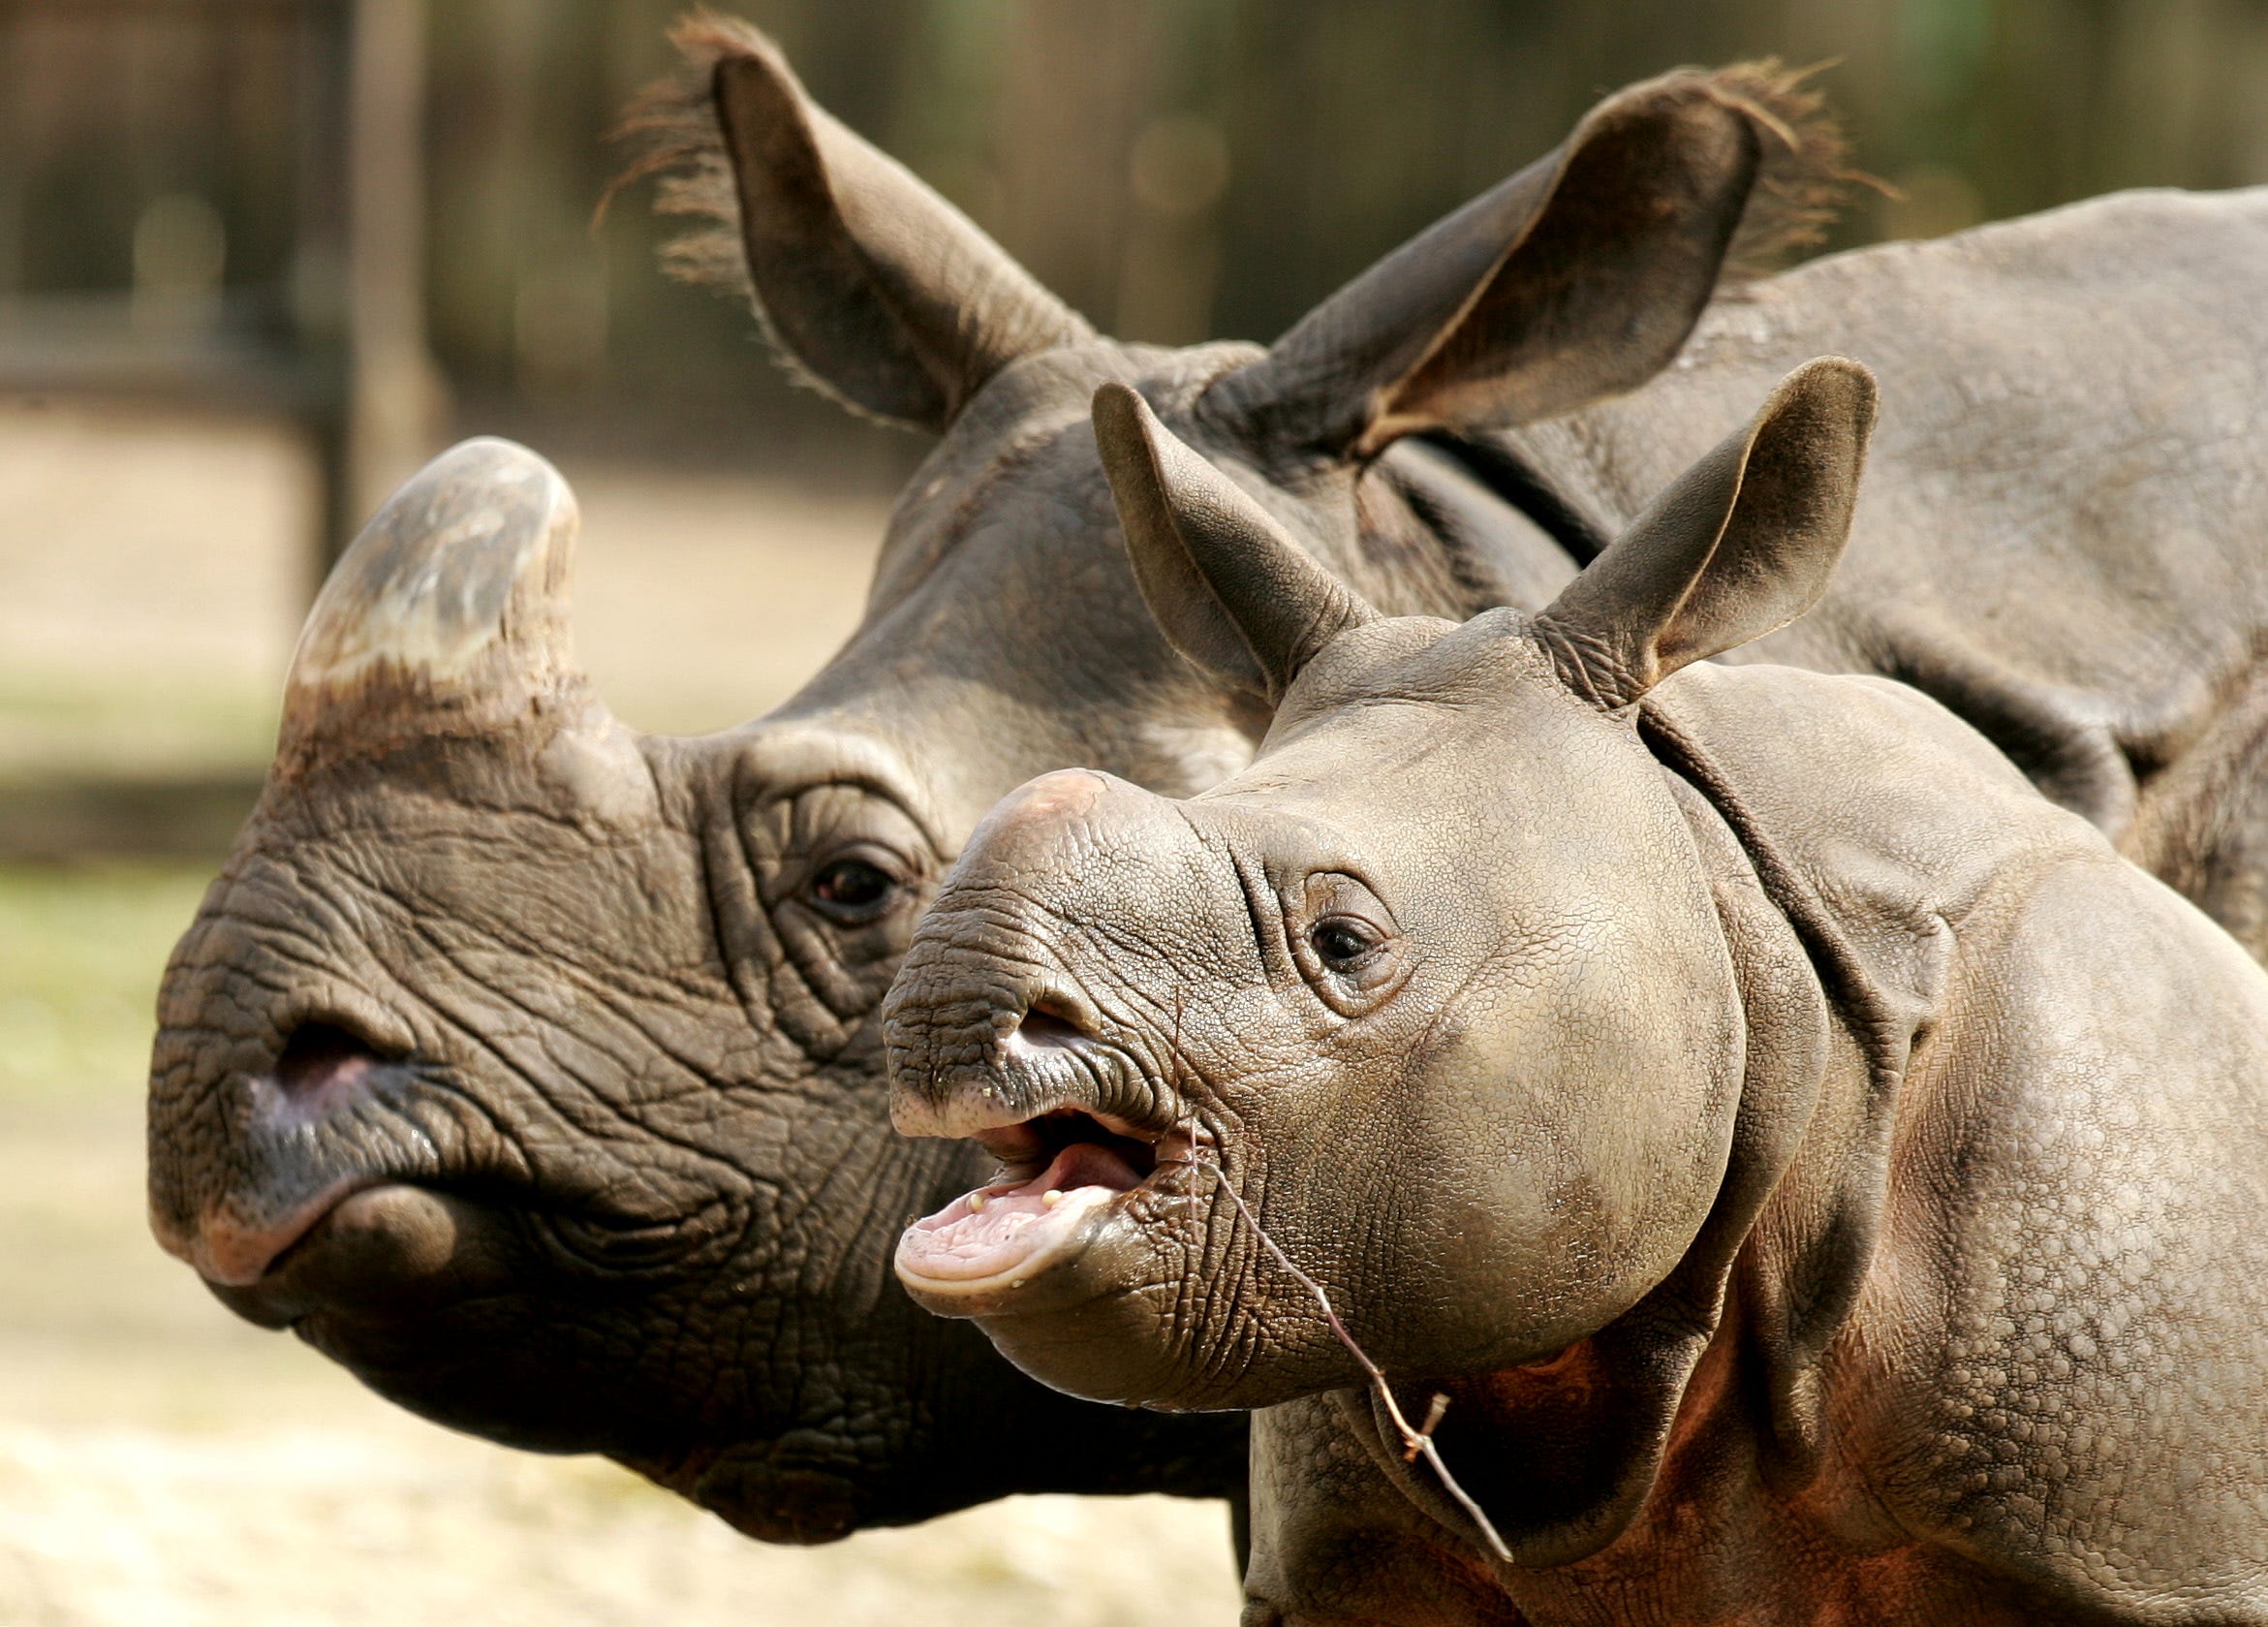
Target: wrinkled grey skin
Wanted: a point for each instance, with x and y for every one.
(1823, 1173)
(584, 1017)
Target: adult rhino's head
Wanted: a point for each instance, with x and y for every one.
(521, 1062)
(1573, 280)
(1437, 991)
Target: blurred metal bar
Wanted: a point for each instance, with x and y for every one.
(75, 344)
(318, 295)
(49, 819)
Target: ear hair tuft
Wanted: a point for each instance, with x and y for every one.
(672, 131)
(870, 286)
(1804, 176)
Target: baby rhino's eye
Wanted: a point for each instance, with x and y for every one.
(1341, 943)
(1346, 942)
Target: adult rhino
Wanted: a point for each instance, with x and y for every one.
(595, 1020)
(1820, 1173)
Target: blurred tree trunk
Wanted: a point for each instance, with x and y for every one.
(1075, 89)
(396, 405)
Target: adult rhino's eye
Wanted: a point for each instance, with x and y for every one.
(1343, 945)
(853, 889)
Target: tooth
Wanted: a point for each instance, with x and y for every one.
(976, 1203)
(1051, 1196)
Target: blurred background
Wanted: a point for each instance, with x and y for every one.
(258, 257)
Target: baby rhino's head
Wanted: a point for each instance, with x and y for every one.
(1434, 995)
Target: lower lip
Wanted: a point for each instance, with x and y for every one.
(995, 1239)
(1004, 1237)
(417, 1231)
(418, 1228)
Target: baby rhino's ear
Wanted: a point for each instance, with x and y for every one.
(1742, 542)
(1229, 588)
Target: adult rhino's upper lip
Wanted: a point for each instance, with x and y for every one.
(232, 1251)
(331, 1194)
(349, 1189)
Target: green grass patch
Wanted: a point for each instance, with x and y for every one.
(81, 951)
(71, 723)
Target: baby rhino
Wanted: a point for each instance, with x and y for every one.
(1826, 1181)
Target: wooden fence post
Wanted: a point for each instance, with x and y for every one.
(396, 401)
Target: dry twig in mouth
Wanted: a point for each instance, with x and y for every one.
(1415, 1443)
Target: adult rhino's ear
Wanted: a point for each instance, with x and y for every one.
(1228, 586)
(871, 286)
(1742, 542)
(1577, 278)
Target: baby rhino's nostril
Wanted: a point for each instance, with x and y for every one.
(1045, 1027)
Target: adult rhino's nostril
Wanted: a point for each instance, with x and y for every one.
(322, 1067)
(317, 1053)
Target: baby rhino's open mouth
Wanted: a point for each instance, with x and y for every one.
(1055, 1172)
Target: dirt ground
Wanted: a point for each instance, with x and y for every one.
(164, 1466)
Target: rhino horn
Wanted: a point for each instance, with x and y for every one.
(449, 614)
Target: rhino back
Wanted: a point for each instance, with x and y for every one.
(2070, 481)
(1895, 813)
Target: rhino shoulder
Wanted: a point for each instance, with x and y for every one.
(1883, 816)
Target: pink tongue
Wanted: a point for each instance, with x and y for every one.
(1084, 1163)
(1015, 1225)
